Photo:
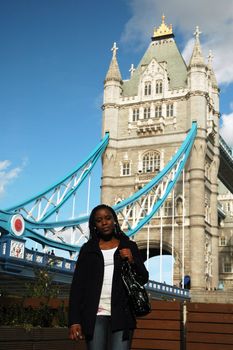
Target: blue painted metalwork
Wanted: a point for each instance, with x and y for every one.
(179, 159)
(162, 291)
(166, 179)
(16, 259)
(23, 265)
(86, 166)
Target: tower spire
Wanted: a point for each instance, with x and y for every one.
(197, 58)
(113, 71)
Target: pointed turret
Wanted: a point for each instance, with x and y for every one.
(113, 71)
(112, 92)
(197, 69)
(197, 58)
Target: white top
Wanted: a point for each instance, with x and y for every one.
(105, 297)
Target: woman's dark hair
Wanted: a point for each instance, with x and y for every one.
(92, 226)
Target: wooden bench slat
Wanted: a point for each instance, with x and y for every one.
(210, 318)
(223, 328)
(158, 324)
(195, 346)
(155, 344)
(163, 315)
(163, 305)
(210, 338)
(153, 334)
(212, 308)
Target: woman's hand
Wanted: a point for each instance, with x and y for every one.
(126, 253)
(75, 332)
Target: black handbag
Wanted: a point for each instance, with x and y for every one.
(136, 292)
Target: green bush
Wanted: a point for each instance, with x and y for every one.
(42, 285)
(43, 288)
(44, 316)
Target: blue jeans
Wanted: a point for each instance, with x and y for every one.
(105, 339)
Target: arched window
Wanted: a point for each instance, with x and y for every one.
(158, 111)
(146, 114)
(170, 110)
(135, 114)
(151, 162)
(159, 87)
(168, 208)
(147, 88)
(222, 241)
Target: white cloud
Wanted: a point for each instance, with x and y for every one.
(215, 20)
(226, 130)
(8, 174)
(4, 164)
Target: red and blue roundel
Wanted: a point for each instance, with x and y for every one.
(17, 224)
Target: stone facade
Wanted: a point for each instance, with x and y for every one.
(148, 117)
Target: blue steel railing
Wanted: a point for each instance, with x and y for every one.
(9, 262)
(167, 290)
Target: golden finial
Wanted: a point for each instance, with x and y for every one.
(163, 29)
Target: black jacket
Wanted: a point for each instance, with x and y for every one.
(87, 284)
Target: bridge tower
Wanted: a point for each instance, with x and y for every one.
(148, 116)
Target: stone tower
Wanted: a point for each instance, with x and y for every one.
(148, 116)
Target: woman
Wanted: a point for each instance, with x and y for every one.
(98, 309)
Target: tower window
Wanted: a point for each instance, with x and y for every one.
(222, 241)
(227, 267)
(151, 162)
(158, 111)
(146, 113)
(147, 88)
(168, 208)
(159, 87)
(170, 110)
(125, 168)
(135, 114)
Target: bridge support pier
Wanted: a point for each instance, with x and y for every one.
(197, 216)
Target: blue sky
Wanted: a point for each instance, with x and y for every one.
(54, 55)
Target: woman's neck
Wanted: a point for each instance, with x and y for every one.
(113, 243)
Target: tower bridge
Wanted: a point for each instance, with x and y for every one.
(162, 160)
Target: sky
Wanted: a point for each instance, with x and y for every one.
(54, 55)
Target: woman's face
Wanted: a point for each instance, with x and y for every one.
(104, 222)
